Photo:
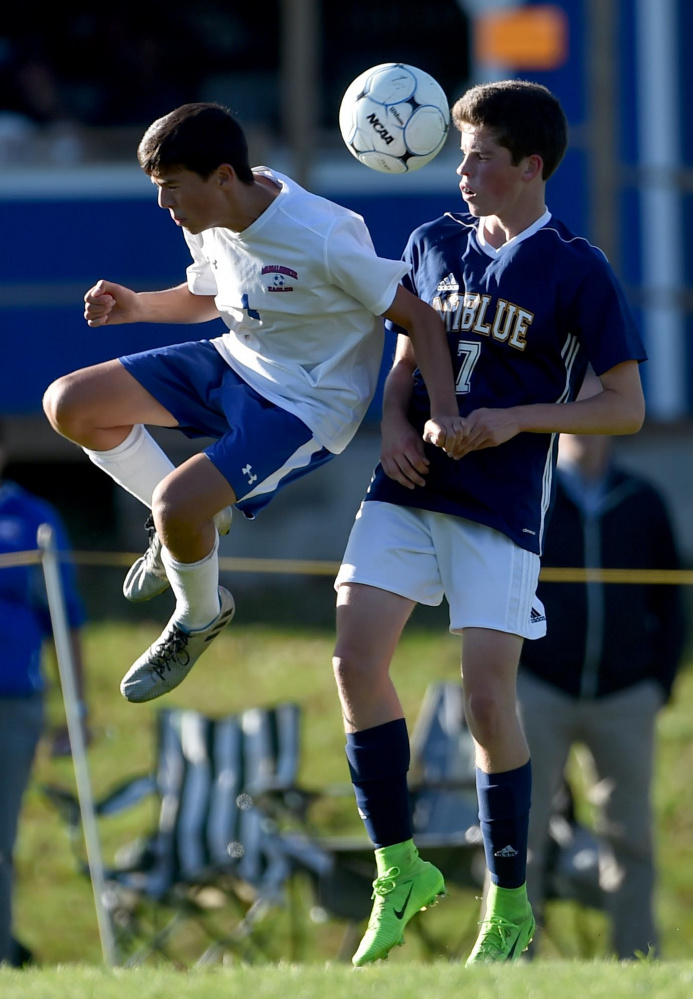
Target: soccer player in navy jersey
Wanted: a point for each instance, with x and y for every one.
(282, 389)
(527, 307)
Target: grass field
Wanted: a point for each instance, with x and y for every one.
(570, 980)
(257, 664)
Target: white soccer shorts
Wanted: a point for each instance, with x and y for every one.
(488, 580)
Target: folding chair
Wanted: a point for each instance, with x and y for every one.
(215, 845)
(442, 786)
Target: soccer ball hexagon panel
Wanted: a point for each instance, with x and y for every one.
(394, 118)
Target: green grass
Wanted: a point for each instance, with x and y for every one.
(262, 664)
(570, 980)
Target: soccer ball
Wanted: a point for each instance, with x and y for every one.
(394, 118)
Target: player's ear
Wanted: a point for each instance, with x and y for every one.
(534, 166)
(225, 174)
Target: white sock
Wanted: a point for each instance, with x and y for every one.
(137, 464)
(195, 586)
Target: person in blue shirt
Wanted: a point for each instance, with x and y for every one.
(25, 626)
(527, 305)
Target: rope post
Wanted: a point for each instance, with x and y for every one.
(63, 648)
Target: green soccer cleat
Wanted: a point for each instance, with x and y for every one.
(507, 930)
(405, 885)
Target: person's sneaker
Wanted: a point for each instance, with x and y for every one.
(168, 661)
(399, 893)
(502, 938)
(147, 576)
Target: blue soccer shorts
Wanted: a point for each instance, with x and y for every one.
(259, 446)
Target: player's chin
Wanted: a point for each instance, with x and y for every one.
(189, 226)
(472, 207)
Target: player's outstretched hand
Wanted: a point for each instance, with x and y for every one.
(448, 433)
(488, 428)
(109, 303)
(402, 456)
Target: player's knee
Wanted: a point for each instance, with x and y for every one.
(176, 515)
(58, 405)
(351, 672)
(167, 507)
(484, 715)
(342, 669)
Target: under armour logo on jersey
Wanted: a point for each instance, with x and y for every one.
(248, 470)
(507, 851)
(449, 283)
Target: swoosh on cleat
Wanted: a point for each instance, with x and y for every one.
(399, 913)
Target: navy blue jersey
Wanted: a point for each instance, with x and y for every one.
(523, 322)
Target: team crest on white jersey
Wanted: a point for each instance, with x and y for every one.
(449, 283)
(280, 274)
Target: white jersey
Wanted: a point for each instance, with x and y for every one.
(299, 290)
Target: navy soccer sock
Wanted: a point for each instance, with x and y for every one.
(378, 761)
(504, 802)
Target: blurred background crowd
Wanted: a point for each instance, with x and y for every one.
(68, 90)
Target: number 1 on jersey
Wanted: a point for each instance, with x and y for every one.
(252, 313)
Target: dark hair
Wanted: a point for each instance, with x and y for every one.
(526, 117)
(197, 137)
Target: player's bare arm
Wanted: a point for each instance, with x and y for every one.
(402, 452)
(108, 303)
(428, 342)
(619, 409)
(428, 337)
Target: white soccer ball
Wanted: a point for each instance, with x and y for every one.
(394, 118)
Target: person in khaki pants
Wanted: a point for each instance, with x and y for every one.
(601, 675)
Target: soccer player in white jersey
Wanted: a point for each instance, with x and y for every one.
(527, 307)
(299, 286)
